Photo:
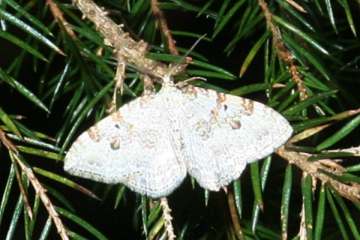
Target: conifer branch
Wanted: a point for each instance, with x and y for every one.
(133, 52)
(167, 218)
(36, 185)
(234, 216)
(325, 170)
(6, 142)
(283, 53)
(44, 198)
(159, 15)
(23, 192)
(59, 17)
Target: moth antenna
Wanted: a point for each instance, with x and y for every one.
(180, 65)
(186, 81)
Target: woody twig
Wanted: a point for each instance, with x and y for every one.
(23, 192)
(44, 198)
(6, 142)
(167, 218)
(234, 216)
(323, 170)
(159, 15)
(283, 53)
(36, 185)
(127, 50)
(59, 17)
(119, 81)
(133, 52)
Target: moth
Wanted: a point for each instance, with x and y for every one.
(151, 143)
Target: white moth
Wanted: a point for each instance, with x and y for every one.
(151, 143)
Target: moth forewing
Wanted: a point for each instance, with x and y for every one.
(223, 133)
(131, 146)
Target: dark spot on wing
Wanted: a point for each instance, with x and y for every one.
(235, 124)
(115, 144)
(93, 133)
